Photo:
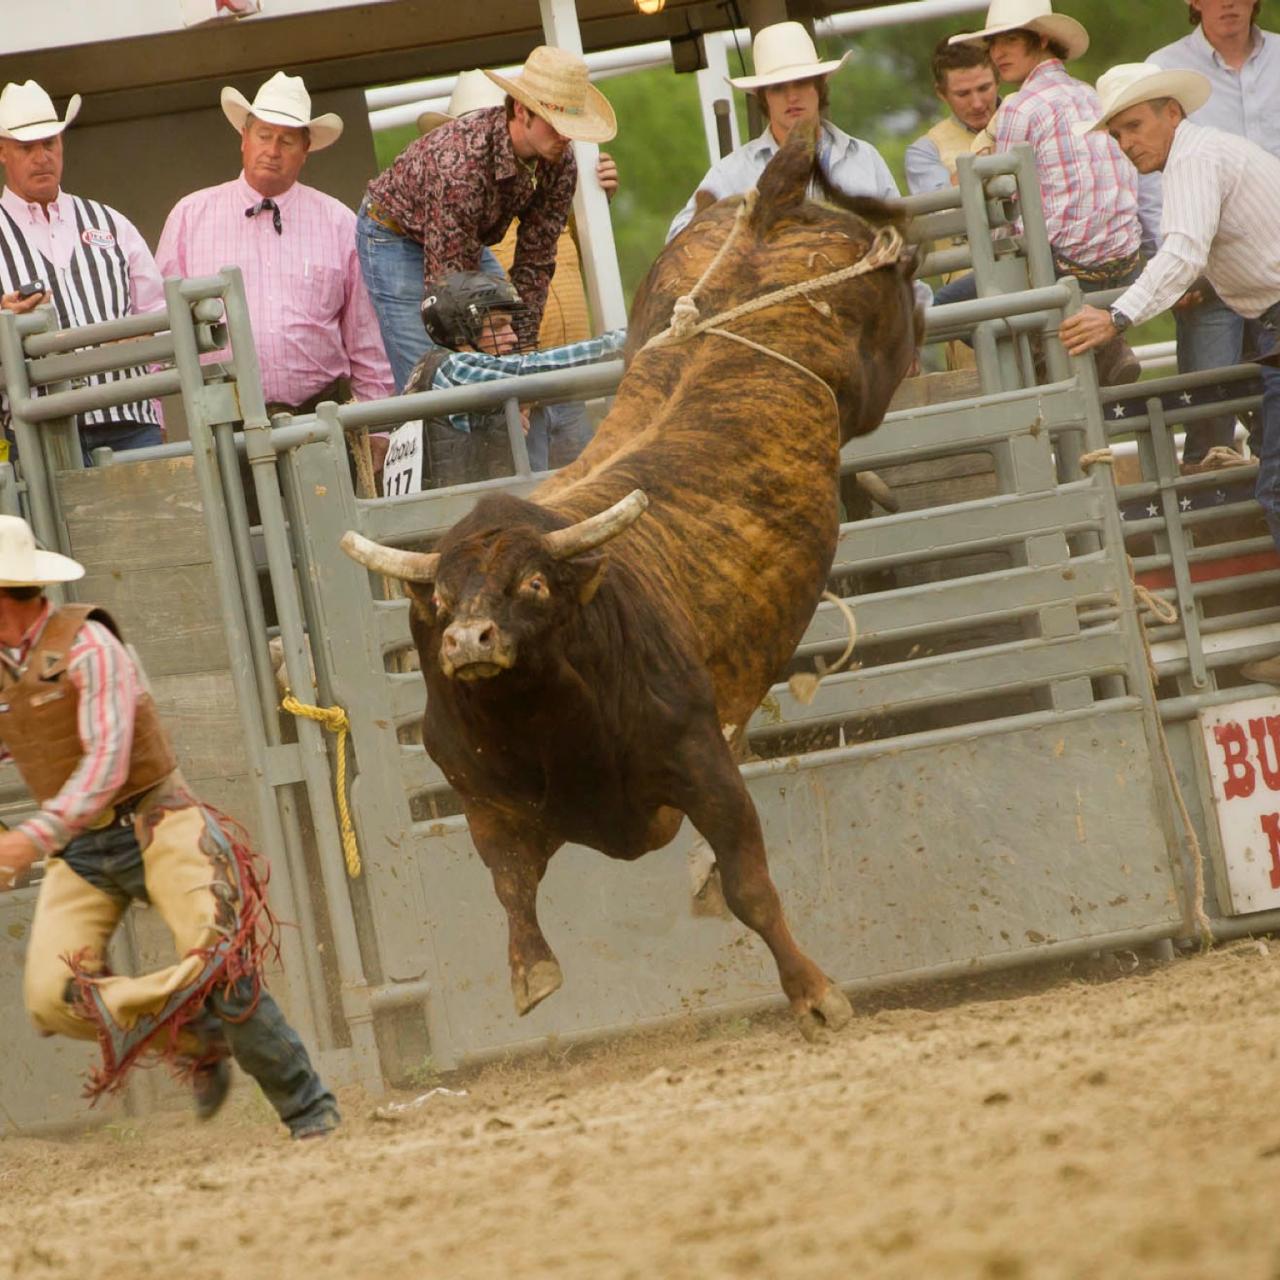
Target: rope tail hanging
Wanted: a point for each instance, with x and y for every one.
(335, 720)
(804, 684)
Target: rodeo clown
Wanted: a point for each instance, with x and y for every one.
(117, 822)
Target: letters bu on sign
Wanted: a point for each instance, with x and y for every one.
(402, 467)
(1242, 742)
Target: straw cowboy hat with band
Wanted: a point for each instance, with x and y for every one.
(782, 53)
(27, 113)
(284, 101)
(1130, 83)
(1031, 15)
(23, 564)
(474, 91)
(554, 84)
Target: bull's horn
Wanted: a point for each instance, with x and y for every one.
(589, 533)
(408, 566)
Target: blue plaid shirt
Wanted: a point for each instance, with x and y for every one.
(465, 368)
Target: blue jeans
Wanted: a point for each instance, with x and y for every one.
(1267, 488)
(557, 434)
(1212, 336)
(119, 438)
(392, 270)
(261, 1041)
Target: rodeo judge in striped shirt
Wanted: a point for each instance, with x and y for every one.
(313, 324)
(1221, 219)
(86, 259)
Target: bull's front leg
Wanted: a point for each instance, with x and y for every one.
(719, 805)
(517, 861)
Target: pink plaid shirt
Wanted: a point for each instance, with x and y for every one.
(312, 318)
(1089, 189)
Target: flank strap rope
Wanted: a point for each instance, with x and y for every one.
(334, 719)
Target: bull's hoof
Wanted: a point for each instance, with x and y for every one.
(829, 1012)
(531, 988)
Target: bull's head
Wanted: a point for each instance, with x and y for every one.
(500, 579)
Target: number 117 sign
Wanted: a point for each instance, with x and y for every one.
(1242, 742)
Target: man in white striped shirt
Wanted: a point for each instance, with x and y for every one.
(1221, 219)
(85, 258)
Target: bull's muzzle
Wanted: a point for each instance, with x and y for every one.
(474, 649)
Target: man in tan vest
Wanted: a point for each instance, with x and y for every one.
(965, 80)
(115, 823)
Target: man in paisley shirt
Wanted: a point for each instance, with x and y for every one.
(458, 188)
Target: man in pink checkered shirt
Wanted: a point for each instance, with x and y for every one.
(313, 324)
(1089, 189)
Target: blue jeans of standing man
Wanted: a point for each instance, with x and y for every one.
(1212, 336)
(392, 268)
(557, 434)
(1267, 487)
(259, 1038)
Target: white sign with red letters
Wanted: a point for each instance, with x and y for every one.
(1242, 742)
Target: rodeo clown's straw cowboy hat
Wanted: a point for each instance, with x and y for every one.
(27, 113)
(555, 84)
(474, 91)
(23, 564)
(782, 53)
(1030, 15)
(1129, 83)
(282, 100)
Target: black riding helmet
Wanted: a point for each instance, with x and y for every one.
(454, 309)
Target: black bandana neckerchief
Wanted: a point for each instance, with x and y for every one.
(267, 203)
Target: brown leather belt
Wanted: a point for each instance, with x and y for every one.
(385, 220)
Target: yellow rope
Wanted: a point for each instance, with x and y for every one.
(335, 720)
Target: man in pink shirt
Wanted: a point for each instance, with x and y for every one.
(83, 257)
(315, 329)
(1089, 190)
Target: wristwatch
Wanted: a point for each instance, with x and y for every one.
(1119, 319)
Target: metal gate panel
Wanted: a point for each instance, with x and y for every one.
(898, 861)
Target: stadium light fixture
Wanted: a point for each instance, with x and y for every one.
(650, 6)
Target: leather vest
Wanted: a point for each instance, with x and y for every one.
(450, 456)
(952, 139)
(39, 715)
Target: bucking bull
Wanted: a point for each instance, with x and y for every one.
(592, 656)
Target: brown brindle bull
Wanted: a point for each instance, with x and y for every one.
(589, 673)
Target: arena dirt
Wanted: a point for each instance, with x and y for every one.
(1064, 1124)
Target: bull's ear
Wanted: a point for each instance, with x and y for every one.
(589, 574)
(785, 181)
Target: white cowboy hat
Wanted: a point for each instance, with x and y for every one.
(474, 91)
(554, 84)
(1033, 15)
(23, 564)
(27, 113)
(1130, 83)
(782, 53)
(282, 100)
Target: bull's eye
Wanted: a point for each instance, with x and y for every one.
(535, 585)
(438, 602)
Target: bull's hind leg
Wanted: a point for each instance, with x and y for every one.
(719, 806)
(517, 862)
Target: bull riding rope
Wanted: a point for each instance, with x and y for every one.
(884, 250)
(335, 720)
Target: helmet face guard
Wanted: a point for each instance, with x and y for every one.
(454, 310)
